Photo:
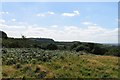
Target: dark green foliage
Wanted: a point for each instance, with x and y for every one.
(18, 65)
(41, 75)
(10, 61)
(91, 46)
(24, 78)
(78, 46)
(35, 45)
(27, 69)
(34, 61)
(62, 47)
(113, 51)
(27, 55)
(16, 43)
(75, 44)
(43, 46)
(82, 48)
(99, 50)
(52, 46)
(4, 51)
(37, 69)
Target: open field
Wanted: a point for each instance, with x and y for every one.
(38, 63)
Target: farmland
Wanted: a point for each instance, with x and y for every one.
(39, 63)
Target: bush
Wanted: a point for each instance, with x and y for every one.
(82, 48)
(52, 46)
(4, 51)
(18, 65)
(99, 51)
(27, 69)
(74, 45)
(16, 43)
(114, 52)
(91, 46)
(11, 61)
(38, 69)
(62, 47)
(34, 61)
(41, 75)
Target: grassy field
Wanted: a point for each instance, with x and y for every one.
(37, 63)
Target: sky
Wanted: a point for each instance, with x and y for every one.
(60, 0)
(61, 21)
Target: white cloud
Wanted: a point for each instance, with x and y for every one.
(66, 33)
(3, 12)
(45, 14)
(73, 33)
(89, 23)
(51, 13)
(86, 23)
(14, 27)
(12, 31)
(2, 21)
(75, 13)
(54, 26)
(13, 20)
(39, 14)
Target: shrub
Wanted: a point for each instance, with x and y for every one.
(41, 75)
(82, 48)
(52, 46)
(27, 69)
(11, 61)
(18, 65)
(62, 47)
(114, 52)
(74, 45)
(99, 51)
(35, 45)
(34, 61)
(4, 51)
(38, 69)
(91, 46)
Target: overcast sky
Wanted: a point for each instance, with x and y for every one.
(62, 21)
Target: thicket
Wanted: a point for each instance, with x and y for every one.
(94, 48)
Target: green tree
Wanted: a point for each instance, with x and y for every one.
(52, 46)
(82, 48)
(75, 44)
(99, 50)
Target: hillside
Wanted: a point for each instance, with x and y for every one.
(39, 58)
(36, 63)
(48, 40)
(50, 44)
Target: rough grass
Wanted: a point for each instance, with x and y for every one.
(69, 65)
(85, 66)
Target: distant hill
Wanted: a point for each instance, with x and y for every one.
(42, 40)
(112, 44)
